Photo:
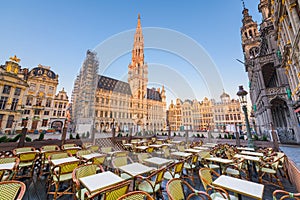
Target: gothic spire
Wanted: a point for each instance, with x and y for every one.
(138, 45)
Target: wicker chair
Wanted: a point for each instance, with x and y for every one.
(45, 162)
(83, 171)
(175, 190)
(62, 173)
(152, 183)
(119, 162)
(174, 170)
(12, 190)
(285, 195)
(70, 148)
(206, 177)
(9, 173)
(271, 168)
(202, 156)
(142, 156)
(190, 166)
(237, 169)
(27, 161)
(110, 193)
(50, 148)
(22, 150)
(136, 195)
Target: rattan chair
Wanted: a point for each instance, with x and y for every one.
(70, 148)
(152, 183)
(12, 190)
(60, 174)
(46, 152)
(136, 195)
(175, 190)
(285, 195)
(237, 169)
(50, 148)
(174, 170)
(190, 165)
(206, 177)
(16, 151)
(9, 173)
(271, 168)
(83, 171)
(26, 164)
(119, 162)
(203, 162)
(110, 193)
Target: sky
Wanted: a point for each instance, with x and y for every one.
(191, 46)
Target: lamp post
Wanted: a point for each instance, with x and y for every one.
(243, 100)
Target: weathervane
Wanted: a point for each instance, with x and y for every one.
(243, 3)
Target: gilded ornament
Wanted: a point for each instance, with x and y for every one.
(15, 59)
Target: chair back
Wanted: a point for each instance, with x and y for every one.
(99, 160)
(8, 160)
(50, 148)
(181, 148)
(58, 155)
(113, 192)
(285, 195)
(142, 156)
(65, 168)
(94, 148)
(159, 176)
(82, 152)
(27, 156)
(106, 149)
(120, 154)
(150, 149)
(23, 149)
(136, 195)
(64, 146)
(11, 190)
(121, 161)
(174, 189)
(205, 177)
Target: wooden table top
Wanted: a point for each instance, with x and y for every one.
(243, 187)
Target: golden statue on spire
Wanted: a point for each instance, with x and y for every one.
(15, 59)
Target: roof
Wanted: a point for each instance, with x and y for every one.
(107, 83)
(153, 94)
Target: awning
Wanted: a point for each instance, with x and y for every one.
(297, 110)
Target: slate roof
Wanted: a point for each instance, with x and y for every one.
(114, 85)
(153, 94)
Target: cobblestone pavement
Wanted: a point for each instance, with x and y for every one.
(293, 152)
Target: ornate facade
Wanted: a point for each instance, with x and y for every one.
(128, 107)
(268, 83)
(286, 19)
(205, 115)
(28, 98)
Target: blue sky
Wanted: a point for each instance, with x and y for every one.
(58, 33)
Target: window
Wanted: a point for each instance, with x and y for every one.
(32, 87)
(44, 122)
(14, 104)
(97, 99)
(63, 113)
(42, 88)
(6, 89)
(60, 105)
(61, 97)
(29, 101)
(54, 113)
(24, 122)
(65, 105)
(46, 112)
(39, 101)
(48, 103)
(3, 101)
(26, 112)
(1, 118)
(17, 91)
(10, 121)
(37, 112)
(51, 89)
(55, 105)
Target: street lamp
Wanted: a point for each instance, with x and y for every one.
(243, 100)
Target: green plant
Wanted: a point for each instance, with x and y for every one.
(71, 136)
(28, 139)
(42, 135)
(198, 135)
(264, 138)
(87, 134)
(255, 137)
(83, 135)
(174, 134)
(3, 138)
(242, 137)
(77, 136)
(202, 135)
(220, 136)
(225, 136)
